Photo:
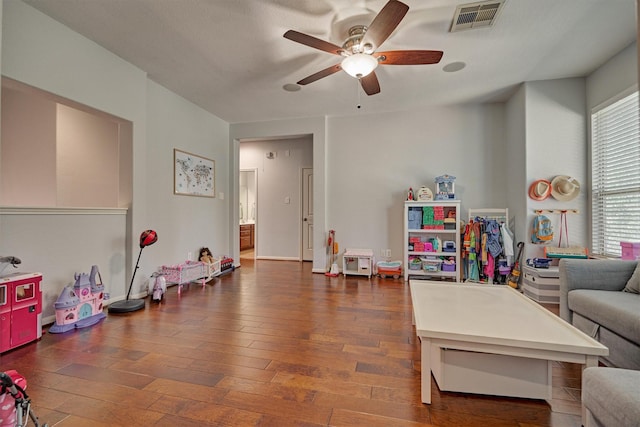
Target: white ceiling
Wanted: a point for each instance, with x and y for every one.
(229, 56)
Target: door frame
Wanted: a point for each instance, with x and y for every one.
(309, 196)
(255, 221)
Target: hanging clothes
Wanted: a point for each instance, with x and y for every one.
(507, 243)
(492, 230)
(474, 270)
(490, 268)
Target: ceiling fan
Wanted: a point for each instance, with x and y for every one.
(359, 49)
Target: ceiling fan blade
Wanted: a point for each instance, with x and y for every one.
(313, 42)
(370, 84)
(409, 57)
(384, 23)
(320, 74)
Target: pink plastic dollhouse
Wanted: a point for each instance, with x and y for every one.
(80, 305)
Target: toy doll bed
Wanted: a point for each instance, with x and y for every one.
(212, 269)
(185, 273)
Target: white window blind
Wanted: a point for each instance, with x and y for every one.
(615, 162)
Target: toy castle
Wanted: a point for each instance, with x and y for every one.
(80, 305)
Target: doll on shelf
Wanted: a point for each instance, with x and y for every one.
(206, 256)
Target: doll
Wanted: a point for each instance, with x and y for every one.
(206, 256)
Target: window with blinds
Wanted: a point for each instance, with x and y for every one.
(615, 179)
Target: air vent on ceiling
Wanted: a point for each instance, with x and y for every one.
(476, 15)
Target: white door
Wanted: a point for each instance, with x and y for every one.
(307, 214)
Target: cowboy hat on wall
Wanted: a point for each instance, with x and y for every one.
(540, 190)
(565, 188)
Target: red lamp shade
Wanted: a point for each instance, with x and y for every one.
(148, 237)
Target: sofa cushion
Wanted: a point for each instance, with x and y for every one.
(622, 352)
(633, 285)
(612, 395)
(617, 311)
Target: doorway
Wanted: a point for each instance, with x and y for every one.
(248, 209)
(307, 214)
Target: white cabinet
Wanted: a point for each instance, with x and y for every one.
(432, 240)
(357, 262)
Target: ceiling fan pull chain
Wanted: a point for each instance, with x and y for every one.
(358, 93)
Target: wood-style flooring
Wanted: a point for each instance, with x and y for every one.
(270, 344)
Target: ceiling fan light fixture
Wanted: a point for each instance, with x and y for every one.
(359, 65)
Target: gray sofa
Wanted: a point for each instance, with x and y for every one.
(611, 397)
(591, 299)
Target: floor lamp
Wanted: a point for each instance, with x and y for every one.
(147, 238)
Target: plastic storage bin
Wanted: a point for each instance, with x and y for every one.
(415, 264)
(448, 266)
(630, 250)
(429, 264)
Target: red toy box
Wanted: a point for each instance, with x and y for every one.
(20, 309)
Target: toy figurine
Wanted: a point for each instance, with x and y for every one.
(206, 256)
(410, 194)
(445, 187)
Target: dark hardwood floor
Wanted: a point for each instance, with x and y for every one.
(270, 344)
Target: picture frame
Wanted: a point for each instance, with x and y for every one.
(193, 175)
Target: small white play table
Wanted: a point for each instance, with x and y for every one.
(491, 339)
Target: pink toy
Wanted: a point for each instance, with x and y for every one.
(159, 286)
(15, 405)
(185, 273)
(80, 306)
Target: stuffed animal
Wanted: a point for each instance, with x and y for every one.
(206, 256)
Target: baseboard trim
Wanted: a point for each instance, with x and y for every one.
(278, 258)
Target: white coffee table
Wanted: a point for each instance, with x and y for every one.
(490, 339)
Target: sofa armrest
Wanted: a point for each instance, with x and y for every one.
(604, 275)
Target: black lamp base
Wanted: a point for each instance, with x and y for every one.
(126, 306)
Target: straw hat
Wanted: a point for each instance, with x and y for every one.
(564, 188)
(540, 190)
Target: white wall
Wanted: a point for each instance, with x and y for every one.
(314, 126)
(278, 226)
(38, 51)
(615, 76)
(29, 152)
(515, 165)
(184, 223)
(59, 243)
(372, 161)
(43, 53)
(87, 157)
(556, 144)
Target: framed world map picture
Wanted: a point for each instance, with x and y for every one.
(193, 175)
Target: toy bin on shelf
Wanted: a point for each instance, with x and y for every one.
(430, 264)
(630, 250)
(20, 309)
(448, 266)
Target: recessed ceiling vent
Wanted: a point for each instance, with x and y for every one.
(476, 15)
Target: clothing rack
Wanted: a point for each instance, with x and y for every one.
(556, 211)
(501, 215)
(471, 261)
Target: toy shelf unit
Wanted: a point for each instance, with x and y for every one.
(432, 240)
(20, 309)
(357, 262)
(185, 273)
